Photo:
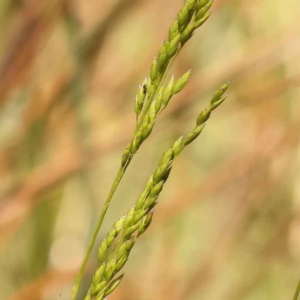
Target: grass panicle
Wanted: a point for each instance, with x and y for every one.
(114, 250)
(152, 98)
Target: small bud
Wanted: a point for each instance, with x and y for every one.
(129, 218)
(173, 31)
(168, 92)
(174, 45)
(184, 17)
(203, 3)
(153, 71)
(113, 285)
(121, 262)
(202, 11)
(146, 132)
(157, 189)
(199, 22)
(203, 116)
(187, 33)
(110, 269)
(150, 202)
(219, 93)
(218, 103)
(139, 100)
(98, 288)
(125, 155)
(158, 101)
(145, 223)
(130, 230)
(193, 135)
(161, 172)
(98, 274)
(167, 157)
(141, 200)
(126, 247)
(190, 4)
(178, 146)
(102, 252)
(137, 141)
(181, 82)
(162, 55)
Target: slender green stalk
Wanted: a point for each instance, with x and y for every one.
(297, 292)
(152, 98)
(116, 182)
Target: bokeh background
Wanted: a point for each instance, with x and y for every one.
(228, 222)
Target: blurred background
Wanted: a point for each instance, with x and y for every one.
(228, 222)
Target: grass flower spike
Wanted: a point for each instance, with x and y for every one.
(114, 250)
(151, 99)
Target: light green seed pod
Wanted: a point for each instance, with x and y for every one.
(187, 33)
(152, 112)
(178, 146)
(203, 10)
(157, 189)
(98, 288)
(113, 285)
(153, 72)
(110, 269)
(100, 296)
(191, 4)
(98, 274)
(139, 100)
(137, 141)
(174, 46)
(193, 135)
(146, 132)
(168, 92)
(220, 92)
(141, 200)
(162, 55)
(203, 116)
(202, 3)
(181, 82)
(173, 31)
(184, 17)
(161, 172)
(218, 103)
(126, 155)
(150, 202)
(102, 252)
(130, 230)
(167, 157)
(139, 214)
(158, 101)
(121, 262)
(145, 223)
(200, 22)
(126, 247)
(129, 218)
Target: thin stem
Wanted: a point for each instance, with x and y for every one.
(116, 182)
(297, 291)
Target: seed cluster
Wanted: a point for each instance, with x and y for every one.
(152, 97)
(114, 250)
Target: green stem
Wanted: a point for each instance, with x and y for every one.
(297, 291)
(116, 182)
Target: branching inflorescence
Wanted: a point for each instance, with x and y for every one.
(114, 250)
(152, 98)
